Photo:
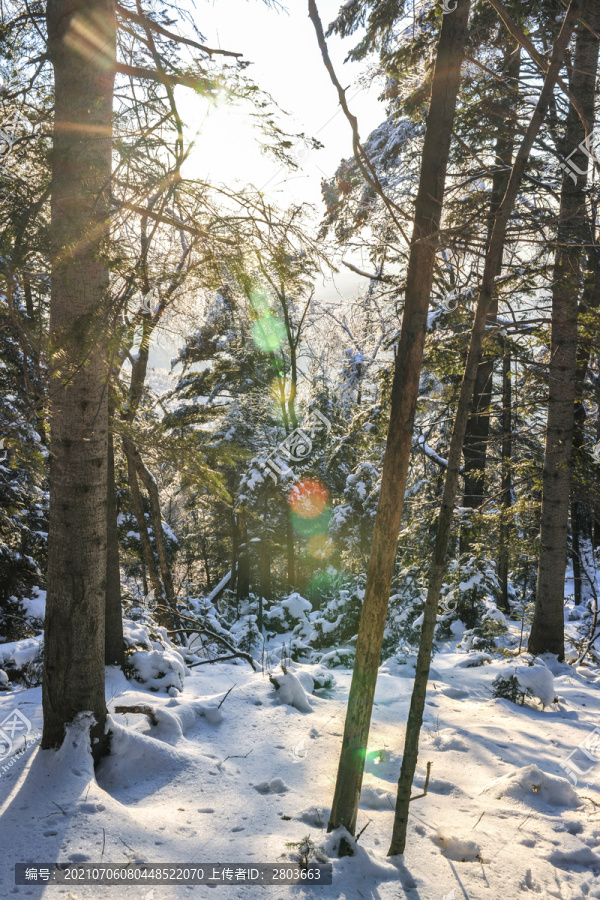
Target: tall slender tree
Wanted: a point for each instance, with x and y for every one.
(82, 48)
(547, 631)
(437, 570)
(428, 209)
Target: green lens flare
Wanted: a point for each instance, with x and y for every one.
(268, 333)
(307, 527)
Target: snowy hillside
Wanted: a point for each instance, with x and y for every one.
(505, 814)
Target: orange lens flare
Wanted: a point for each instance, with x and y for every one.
(308, 499)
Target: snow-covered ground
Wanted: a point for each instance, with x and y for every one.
(501, 818)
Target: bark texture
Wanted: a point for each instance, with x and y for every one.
(81, 46)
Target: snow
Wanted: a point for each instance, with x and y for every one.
(290, 691)
(457, 848)
(20, 653)
(297, 606)
(237, 783)
(539, 680)
(35, 606)
(220, 587)
(160, 669)
(530, 785)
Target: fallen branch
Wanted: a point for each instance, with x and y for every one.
(205, 662)
(201, 629)
(143, 710)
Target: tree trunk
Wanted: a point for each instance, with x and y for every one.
(581, 517)
(159, 536)
(438, 565)
(478, 427)
(506, 496)
(235, 540)
(291, 552)
(147, 551)
(243, 581)
(405, 391)
(82, 48)
(114, 651)
(547, 630)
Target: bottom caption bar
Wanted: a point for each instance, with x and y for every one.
(172, 873)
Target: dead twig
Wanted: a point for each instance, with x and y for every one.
(226, 696)
(362, 829)
(425, 786)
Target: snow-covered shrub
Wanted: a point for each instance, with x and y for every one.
(337, 622)
(476, 583)
(352, 520)
(485, 635)
(306, 851)
(290, 690)
(403, 625)
(342, 657)
(521, 682)
(22, 661)
(323, 679)
(246, 634)
(159, 670)
(509, 688)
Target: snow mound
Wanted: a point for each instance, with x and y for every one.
(35, 606)
(274, 786)
(290, 691)
(362, 865)
(136, 757)
(446, 739)
(297, 606)
(173, 723)
(158, 669)
(316, 816)
(529, 782)
(456, 848)
(473, 659)
(306, 680)
(582, 857)
(539, 680)
(135, 635)
(376, 798)
(18, 654)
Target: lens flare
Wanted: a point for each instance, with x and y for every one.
(268, 333)
(310, 513)
(308, 499)
(320, 546)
